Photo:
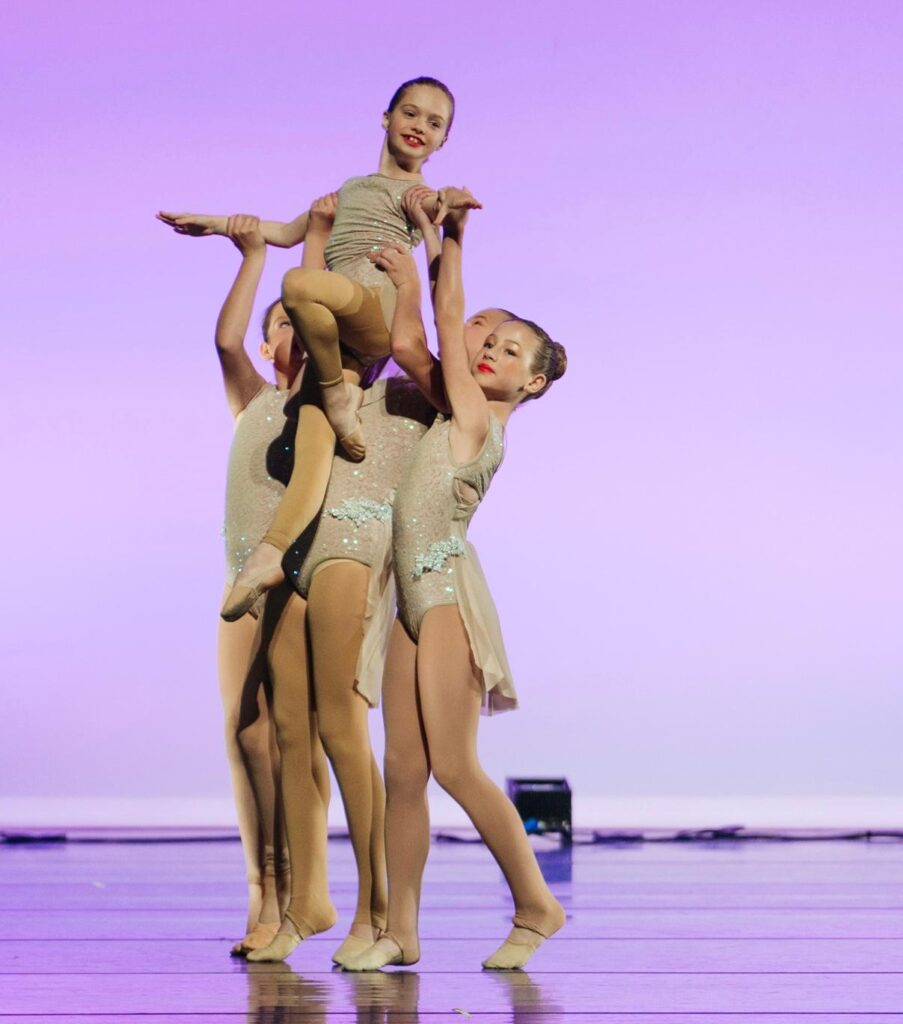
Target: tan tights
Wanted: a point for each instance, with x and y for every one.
(431, 704)
(304, 773)
(313, 657)
(254, 766)
(300, 504)
(324, 305)
(335, 621)
(316, 322)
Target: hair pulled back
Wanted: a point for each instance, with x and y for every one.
(266, 320)
(433, 83)
(550, 358)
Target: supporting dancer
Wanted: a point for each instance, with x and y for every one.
(446, 658)
(334, 661)
(351, 299)
(252, 496)
(347, 581)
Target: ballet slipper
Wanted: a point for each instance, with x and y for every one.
(259, 937)
(291, 934)
(282, 946)
(522, 942)
(352, 946)
(387, 951)
(361, 936)
(253, 582)
(341, 402)
(515, 951)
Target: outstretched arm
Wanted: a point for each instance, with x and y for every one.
(241, 379)
(408, 337)
(283, 234)
(470, 411)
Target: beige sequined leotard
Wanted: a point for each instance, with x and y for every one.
(370, 215)
(252, 495)
(356, 521)
(435, 564)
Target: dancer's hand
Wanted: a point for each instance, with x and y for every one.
(244, 230)
(322, 212)
(398, 264)
(454, 204)
(413, 202)
(194, 223)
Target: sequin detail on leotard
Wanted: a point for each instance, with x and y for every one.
(357, 520)
(370, 215)
(361, 510)
(434, 563)
(437, 555)
(252, 494)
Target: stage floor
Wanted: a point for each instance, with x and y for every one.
(809, 933)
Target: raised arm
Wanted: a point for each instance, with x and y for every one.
(416, 205)
(241, 379)
(470, 410)
(283, 234)
(321, 216)
(408, 337)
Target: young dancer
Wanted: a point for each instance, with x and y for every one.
(335, 662)
(352, 299)
(252, 496)
(347, 582)
(446, 659)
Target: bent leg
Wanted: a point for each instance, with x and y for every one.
(337, 604)
(312, 299)
(451, 697)
(324, 305)
(302, 500)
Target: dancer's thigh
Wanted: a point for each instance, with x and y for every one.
(450, 693)
(407, 761)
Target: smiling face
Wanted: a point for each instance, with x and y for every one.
(504, 365)
(418, 123)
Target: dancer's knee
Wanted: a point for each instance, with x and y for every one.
(300, 285)
(292, 730)
(403, 779)
(455, 774)
(234, 751)
(253, 741)
(342, 747)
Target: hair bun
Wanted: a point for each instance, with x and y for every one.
(558, 362)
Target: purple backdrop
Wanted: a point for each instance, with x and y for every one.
(695, 543)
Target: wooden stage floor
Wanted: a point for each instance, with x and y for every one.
(808, 933)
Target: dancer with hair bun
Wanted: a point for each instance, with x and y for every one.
(446, 659)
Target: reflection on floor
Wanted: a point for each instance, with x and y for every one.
(726, 932)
